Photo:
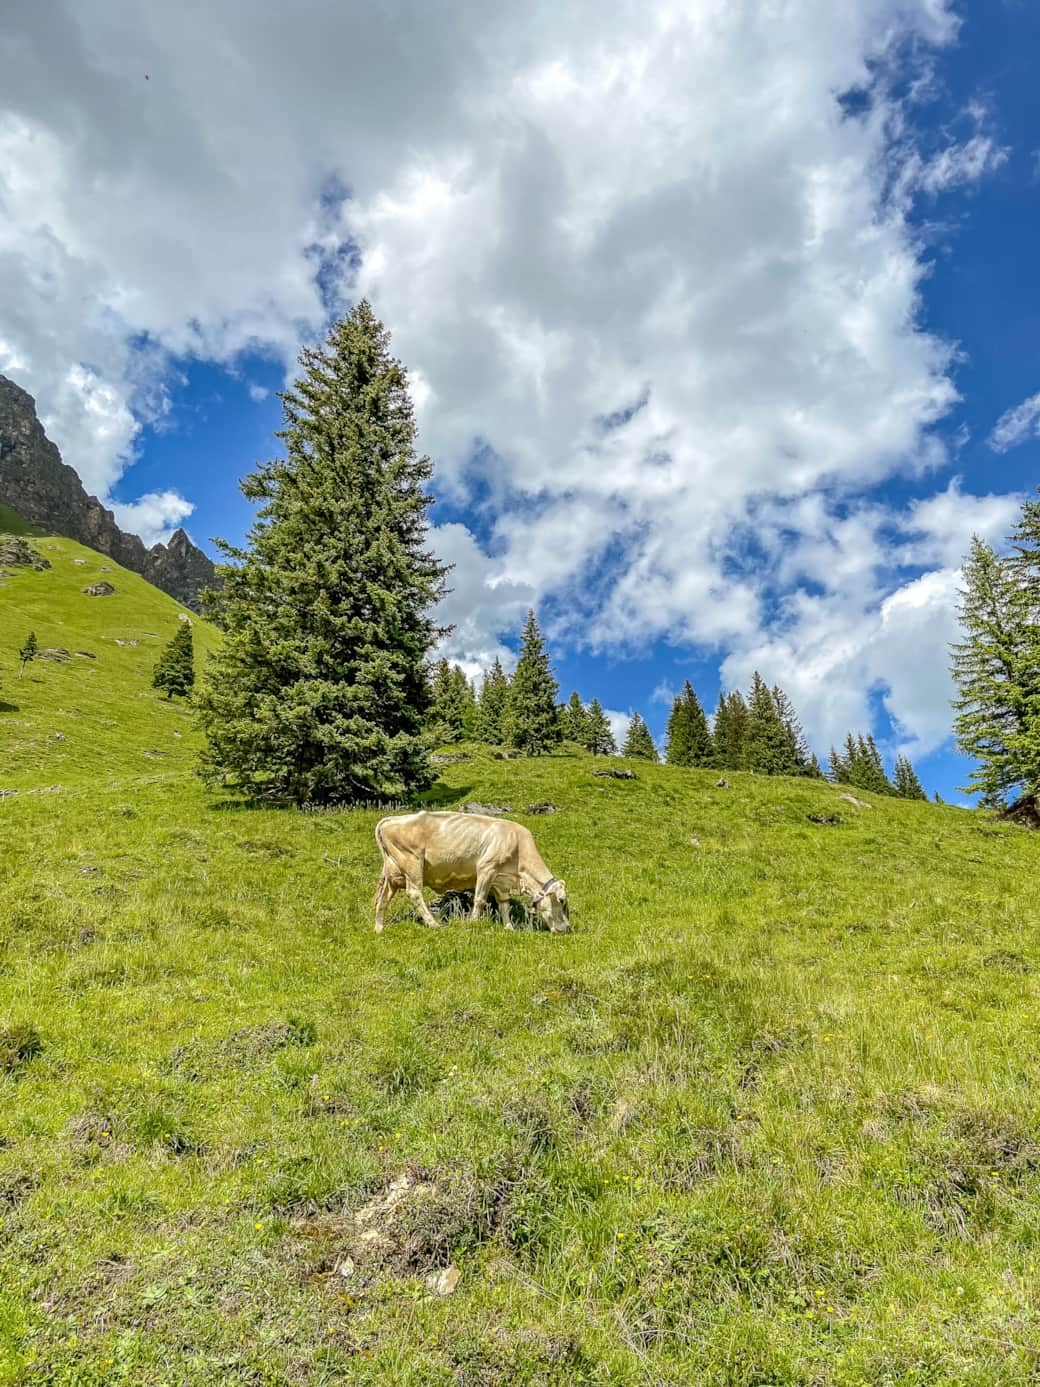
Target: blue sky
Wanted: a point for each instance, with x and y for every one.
(804, 250)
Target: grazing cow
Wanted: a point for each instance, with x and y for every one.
(466, 852)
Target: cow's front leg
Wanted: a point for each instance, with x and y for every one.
(504, 913)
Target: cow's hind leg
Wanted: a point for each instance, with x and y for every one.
(412, 871)
(384, 894)
(481, 890)
(415, 895)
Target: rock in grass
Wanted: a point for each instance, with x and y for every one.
(101, 589)
(722, 783)
(443, 1282)
(616, 775)
(20, 554)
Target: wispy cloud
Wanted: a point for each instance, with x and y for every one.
(1016, 425)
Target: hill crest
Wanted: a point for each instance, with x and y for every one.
(48, 494)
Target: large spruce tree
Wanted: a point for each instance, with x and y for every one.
(996, 666)
(533, 721)
(689, 739)
(174, 672)
(319, 689)
(638, 741)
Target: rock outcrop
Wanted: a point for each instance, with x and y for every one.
(47, 493)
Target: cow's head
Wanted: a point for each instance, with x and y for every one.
(551, 905)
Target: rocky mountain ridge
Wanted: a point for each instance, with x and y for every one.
(47, 492)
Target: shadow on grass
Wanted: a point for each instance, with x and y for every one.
(8, 707)
(439, 795)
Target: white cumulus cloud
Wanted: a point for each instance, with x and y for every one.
(660, 304)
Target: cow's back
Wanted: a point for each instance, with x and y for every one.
(450, 845)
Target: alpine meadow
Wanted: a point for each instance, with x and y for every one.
(765, 1117)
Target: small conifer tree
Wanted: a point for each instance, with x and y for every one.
(599, 738)
(533, 724)
(27, 652)
(638, 741)
(174, 673)
(452, 707)
(575, 720)
(730, 730)
(319, 689)
(907, 785)
(493, 705)
(766, 747)
(689, 739)
(797, 757)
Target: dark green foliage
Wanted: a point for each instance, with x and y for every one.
(859, 764)
(599, 739)
(175, 668)
(638, 741)
(767, 743)
(730, 731)
(453, 706)
(319, 690)
(996, 666)
(574, 720)
(689, 738)
(533, 724)
(493, 705)
(907, 785)
(761, 733)
(18, 1045)
(27, 652)
(798, 758)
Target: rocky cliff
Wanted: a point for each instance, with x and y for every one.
(47, 493)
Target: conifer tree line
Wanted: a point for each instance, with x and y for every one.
(758, 731)
(996, 665)
(859, 765)
(325, 686)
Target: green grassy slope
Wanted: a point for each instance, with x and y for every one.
(11, 523)
(769, 1116)
(95, 714)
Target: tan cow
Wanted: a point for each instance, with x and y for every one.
(466, 852)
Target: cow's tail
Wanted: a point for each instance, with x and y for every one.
(387, 857)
